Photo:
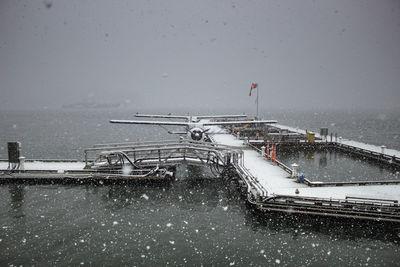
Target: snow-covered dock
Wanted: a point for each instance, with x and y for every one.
(48, 165)
(284, 193)
(72, 171)
(269, 185)
(123, 161)
(350, 143)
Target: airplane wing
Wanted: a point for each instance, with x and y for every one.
(170, 123)
(221, 116)
(161, 116)
(239, 122)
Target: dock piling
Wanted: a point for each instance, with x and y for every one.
(294, 170)
(21, 163)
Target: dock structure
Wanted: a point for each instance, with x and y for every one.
(269, 185)
(125, 162)
(290, 137)
(282, 192)
(50, 171)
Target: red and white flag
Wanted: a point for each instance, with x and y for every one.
(253, 86)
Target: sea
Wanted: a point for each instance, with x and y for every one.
(195, 220)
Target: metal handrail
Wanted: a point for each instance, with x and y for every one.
(163, 152)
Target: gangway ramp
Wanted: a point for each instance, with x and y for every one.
(168, 153)
(126, 161)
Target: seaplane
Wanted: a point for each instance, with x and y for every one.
(192, 118)
(196, 127)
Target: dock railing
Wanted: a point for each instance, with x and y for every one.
(164, 153)
(279, 163)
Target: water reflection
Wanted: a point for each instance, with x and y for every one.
(334, 228)
(189, 194)
(323, 160)
(333, 166)
(17, 195)
(205, 219)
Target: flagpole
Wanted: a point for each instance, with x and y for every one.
(258, 89)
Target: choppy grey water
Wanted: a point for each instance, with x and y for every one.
(196, 220)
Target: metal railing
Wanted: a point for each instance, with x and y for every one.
(165, 153)
(351, 207)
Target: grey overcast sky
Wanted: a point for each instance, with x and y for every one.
(192, 53)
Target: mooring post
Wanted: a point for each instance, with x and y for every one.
(21, 163)
(383, 149)
(86, 158)
(273, 153)
(228, 159)
(273, 156)
(294, 170)
(14, 151)
(263, 151)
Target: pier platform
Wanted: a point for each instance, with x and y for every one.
(283, 193)
(123, 162)
(72, 172)
(387, 152)
(269, 186)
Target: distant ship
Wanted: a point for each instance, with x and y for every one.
(91, 105)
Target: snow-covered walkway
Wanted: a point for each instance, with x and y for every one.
(277, 182)
(373, 148)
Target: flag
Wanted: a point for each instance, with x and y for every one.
(253, 86)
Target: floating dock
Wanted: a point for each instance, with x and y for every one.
(268, 185)
(280, 191)
(72, 172)
(123, 162)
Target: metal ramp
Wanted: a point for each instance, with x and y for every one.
(163, 154)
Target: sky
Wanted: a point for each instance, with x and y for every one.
(192, 54)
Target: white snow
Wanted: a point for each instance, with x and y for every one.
(277, 182)
(126, 169)
(146, 197)
(389, 192)
(227, 139)
(44, 165)
(373, 148)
